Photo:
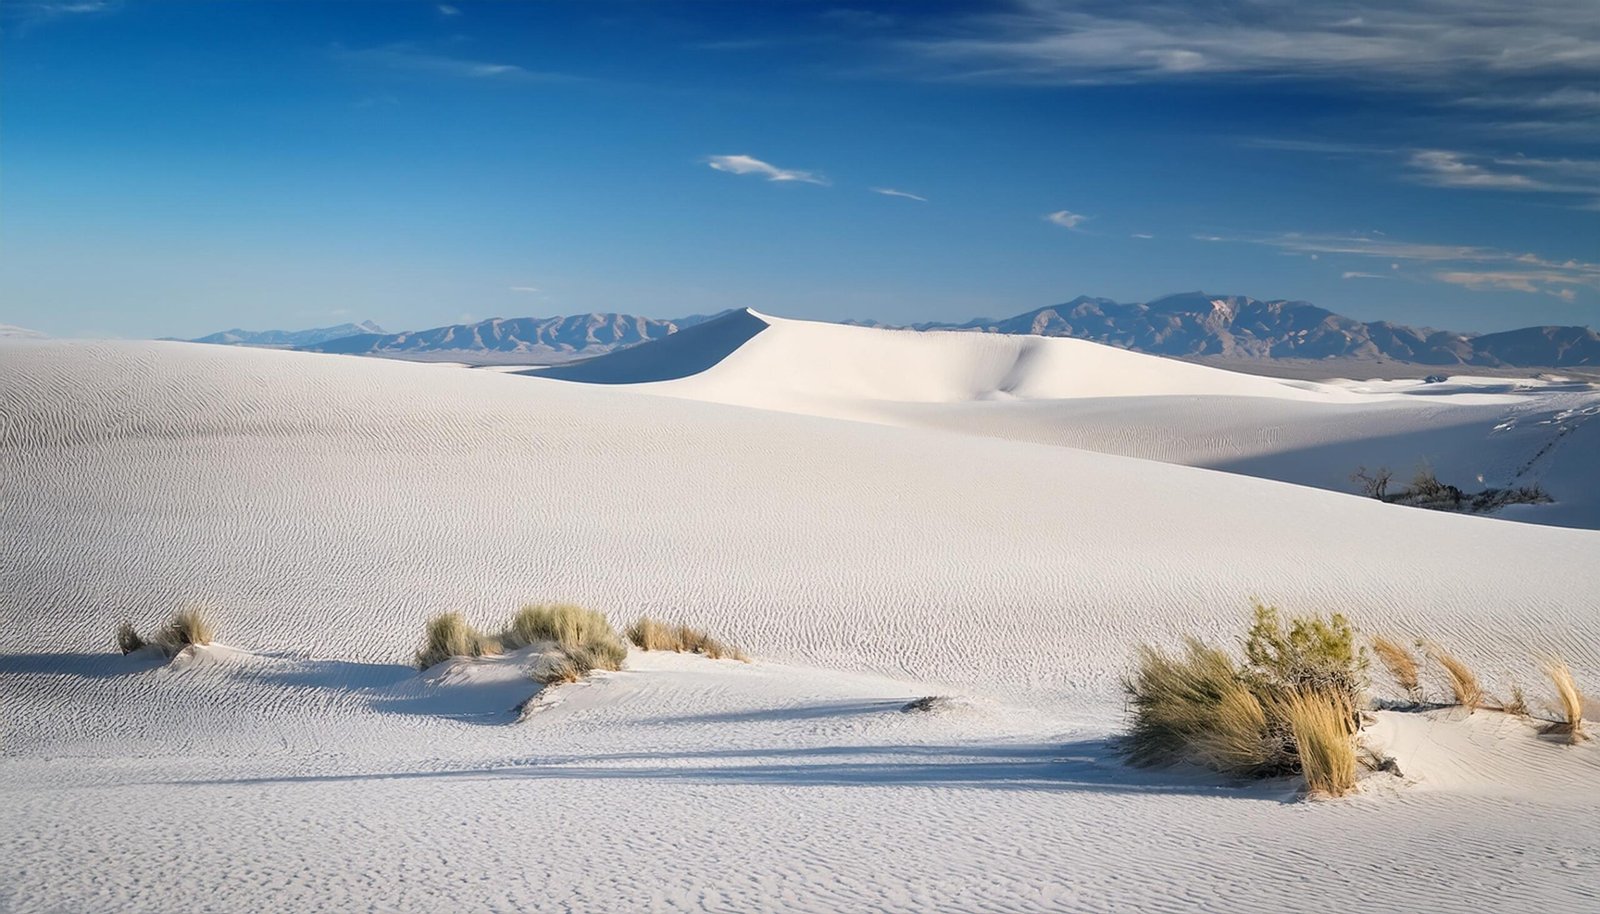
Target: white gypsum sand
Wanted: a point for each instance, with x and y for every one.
(325, 507)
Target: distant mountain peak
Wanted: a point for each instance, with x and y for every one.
(287, 339)
(1199, 323)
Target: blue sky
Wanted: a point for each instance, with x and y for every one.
(173, 168)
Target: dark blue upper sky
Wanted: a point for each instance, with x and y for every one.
(172, 168)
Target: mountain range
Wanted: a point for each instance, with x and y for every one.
(287, 339)
(573, 336)
(1197, 324)
(1189, 324)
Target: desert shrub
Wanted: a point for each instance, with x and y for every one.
(1464, 685)
(1569, 702)
(451, 635)
(1202, 706)
(128, 638)
(1517, 704)
(1319, 721)
(1311, 653)
(186, 627)
(1373, 483)
(1241, 736)
(557, 667)
(1401, 664)
(581, 633)
(654, 635)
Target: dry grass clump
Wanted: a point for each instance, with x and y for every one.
(186, 627)
(1569, 706)
(655, 635)
(1198, 706)
(581, 638)
(1517, 704)
(128, 639)
(1320, 722)
(1400, 663)
(451, 635)
(581, 633)
(1464, 685)
(1249, 719)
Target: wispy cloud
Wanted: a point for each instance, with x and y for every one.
(523, 289)
(28, 13)
(1066, 219)
(446, 9)
(408, 58)
(1142, 236)
(1468, 266)
(1441, 43)
(891, 192)
(749, 165)
(1355, 274)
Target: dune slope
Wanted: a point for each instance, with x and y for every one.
(326, 506)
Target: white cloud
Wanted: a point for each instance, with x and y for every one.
(749, 165)
(1067, 219)
(1434, 44)
(410, 59)
(1442, 168)
(1142, 235)
(1467, 266)
(446, 9)
(891, 192)
(1355, 274)
(523, 289)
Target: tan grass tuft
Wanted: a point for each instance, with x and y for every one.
(1400, 663)
(1320, 721)
(655, 635)
(186, 627)
(1517, 705)
(1464, 686)
(451, 635)
(1569, 707)
(128, 638)
(583, 634)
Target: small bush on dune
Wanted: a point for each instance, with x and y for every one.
(188, 626)
(583, 640)
(128, 639)
(1569, 703)
(1320, 721)
(451, 635)
(1464, 685)
(1308, 653)
(1248, 719)
(654, 635)
(1198, 706)
(582, 633)
(1400, 663)
(1517, 705)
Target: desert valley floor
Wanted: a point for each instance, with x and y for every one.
(874, 515)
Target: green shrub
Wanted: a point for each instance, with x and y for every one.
(1310, 654)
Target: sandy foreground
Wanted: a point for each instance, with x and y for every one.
(875, 515)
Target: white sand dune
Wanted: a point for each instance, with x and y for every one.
(1473, 432)
(326, 506)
